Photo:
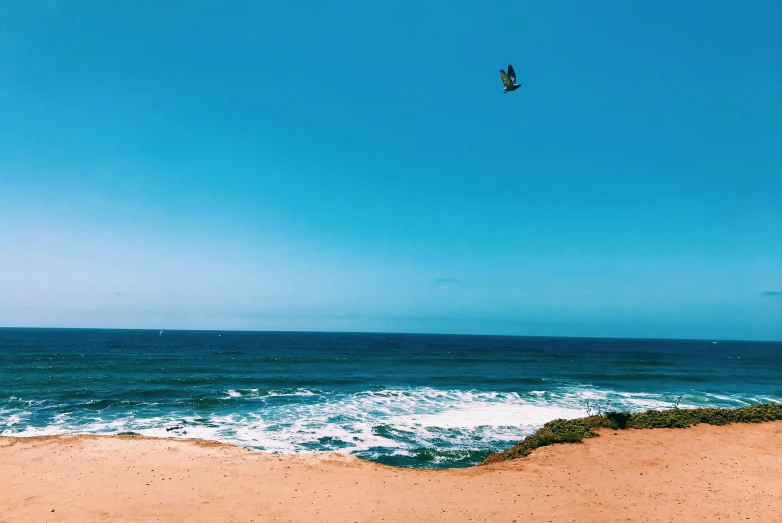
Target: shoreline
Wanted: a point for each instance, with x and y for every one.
(555, 432)
(730, 472)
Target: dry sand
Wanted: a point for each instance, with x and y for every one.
(705, 473)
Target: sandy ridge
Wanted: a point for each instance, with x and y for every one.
(704, 473)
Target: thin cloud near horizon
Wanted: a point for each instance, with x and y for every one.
(447, 280)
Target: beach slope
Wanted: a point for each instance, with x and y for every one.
(708, 473)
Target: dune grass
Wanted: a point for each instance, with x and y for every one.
(575, 430)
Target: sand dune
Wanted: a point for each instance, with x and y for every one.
(705, 473)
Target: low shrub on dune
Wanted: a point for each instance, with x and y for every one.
(575, 430)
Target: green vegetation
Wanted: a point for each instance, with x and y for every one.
(574, 431)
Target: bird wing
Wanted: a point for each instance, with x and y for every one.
(505, 79)
(511, 73)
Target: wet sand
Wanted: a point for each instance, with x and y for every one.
(705, 473)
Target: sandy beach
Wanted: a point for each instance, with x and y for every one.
(705, 473)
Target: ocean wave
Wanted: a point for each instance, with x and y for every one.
(410, 426)
(260, 393)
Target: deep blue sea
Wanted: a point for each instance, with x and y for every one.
(408, 400)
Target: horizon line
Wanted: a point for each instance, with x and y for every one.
(389, 333)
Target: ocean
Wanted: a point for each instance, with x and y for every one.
(399, 399)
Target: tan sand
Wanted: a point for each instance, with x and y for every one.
(705, 473)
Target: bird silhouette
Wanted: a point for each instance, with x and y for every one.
(509, 79)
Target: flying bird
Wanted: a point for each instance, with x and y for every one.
(509, 79)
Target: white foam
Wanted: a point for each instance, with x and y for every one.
(256, 393)
(369, 423)
(13, 420)
(498, 415)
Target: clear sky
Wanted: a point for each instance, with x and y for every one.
(340, 165)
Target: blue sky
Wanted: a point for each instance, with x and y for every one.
(353, 166)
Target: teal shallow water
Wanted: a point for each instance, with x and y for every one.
(408, 400)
